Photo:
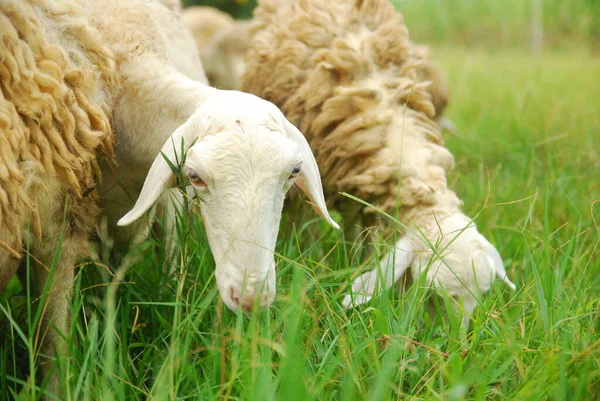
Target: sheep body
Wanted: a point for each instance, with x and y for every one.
(54, 108)
(348, 76)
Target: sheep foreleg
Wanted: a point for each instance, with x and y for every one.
(57, 283)
(392, 267)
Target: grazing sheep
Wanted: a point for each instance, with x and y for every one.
(241, 154)
(347, 74)
(205, 22)
(420, 55)
(66, 72)
(55, 77)
(222, 44)
(223, 57)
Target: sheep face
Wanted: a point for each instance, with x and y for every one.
(241, 156)
(241, 179)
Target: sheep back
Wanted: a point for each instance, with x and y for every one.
(347, 74)
(54, 109)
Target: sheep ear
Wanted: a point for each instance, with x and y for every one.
(495, 260)
(160, 177)
(310, 172)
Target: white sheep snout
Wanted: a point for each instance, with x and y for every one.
(239, 291)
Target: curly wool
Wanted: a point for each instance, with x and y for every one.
(348, 76)
(54, 114)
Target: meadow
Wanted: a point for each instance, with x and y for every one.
(527, 149)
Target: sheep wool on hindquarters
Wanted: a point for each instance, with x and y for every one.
(55, 72)
(346, 73)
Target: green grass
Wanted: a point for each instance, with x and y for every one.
(527, 163)
(481, 23)
(506, 23)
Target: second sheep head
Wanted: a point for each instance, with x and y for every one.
(241, 157)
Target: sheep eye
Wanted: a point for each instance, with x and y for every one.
(195, 179)
(295, 172)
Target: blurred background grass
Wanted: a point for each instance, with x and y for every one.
(533, 24)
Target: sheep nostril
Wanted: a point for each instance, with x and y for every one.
(246, 301)
(235, 297)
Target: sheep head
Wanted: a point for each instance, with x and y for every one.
(450, 252)
(241, 157)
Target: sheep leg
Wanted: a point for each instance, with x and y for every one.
(8, 267)
(133, 255)
(169, 206)
(57, 281)
(393, 266)
(9, 258)
(468, 306)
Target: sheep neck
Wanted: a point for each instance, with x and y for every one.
(154, 101)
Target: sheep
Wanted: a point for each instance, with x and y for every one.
(77, 79)
(241, 154)
(223, 57)
(55, 77)
(348, 76)
(222, 43)
(425, 69)
(205, 22)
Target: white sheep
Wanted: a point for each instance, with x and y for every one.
(242, 155)
(204, 23)
(222, 43)
(65, 72)
(347, 74)
(223, 56)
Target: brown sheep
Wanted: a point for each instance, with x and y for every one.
(347, 74)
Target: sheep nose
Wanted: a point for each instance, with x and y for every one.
(247, 301)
